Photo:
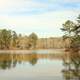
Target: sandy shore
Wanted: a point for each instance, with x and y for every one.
(40, 51)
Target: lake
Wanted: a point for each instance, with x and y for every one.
(32, 66)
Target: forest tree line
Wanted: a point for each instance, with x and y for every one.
(11, 40)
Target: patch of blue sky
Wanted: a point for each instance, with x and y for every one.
(42, 1)
(63, 6)
(33, 11)
(71, 5)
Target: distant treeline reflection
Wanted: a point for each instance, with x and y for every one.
(11, 60)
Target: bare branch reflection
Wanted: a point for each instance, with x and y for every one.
(71, 64)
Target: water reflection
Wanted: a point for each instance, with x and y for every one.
(33, 59)
(71, 64)
(8, 60)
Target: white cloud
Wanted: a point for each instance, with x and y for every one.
(65, 1)
(8, 7)
(48, 23)
(19, 5)
(71, 0)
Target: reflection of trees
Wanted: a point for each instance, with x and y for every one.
(8, 61)
(72, 66)
(33, 59)
(5, 64)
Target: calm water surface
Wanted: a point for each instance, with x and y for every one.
(31, 67)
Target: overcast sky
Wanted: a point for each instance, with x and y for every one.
(44, 17)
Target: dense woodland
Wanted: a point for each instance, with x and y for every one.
(11, 40)
(72, 33)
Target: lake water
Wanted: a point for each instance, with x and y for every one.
(33, 66)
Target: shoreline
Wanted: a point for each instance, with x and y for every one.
(42, 51)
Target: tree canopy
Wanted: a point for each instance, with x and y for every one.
(72, 31)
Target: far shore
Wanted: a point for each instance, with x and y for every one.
(40, 51)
